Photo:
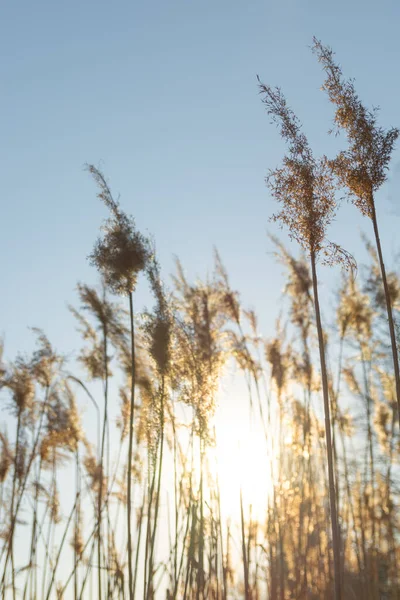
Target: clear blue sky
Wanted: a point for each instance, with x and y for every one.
(163, 95)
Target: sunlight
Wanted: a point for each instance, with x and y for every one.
(242, 463)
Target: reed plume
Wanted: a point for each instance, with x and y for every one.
(304, 187)
(362, 167)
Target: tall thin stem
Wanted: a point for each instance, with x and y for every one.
(77, 522)
(157, 505)
(331, 475)
(388, 306)
(244, 551)
(130, 450)
(11, 542)
(200, 572)
(103, 439)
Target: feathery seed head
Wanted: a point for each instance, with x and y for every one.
(382, 424)
(21, 385)
(6, 458)
(354, 313)
(63, 426)
(45, 362)
(278, 359)
(123, 418)
(158, 328)
(363, 166)
(303, 185)
(374, 282)
(93, 469)
(122, 252)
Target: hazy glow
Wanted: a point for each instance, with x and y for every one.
(241, 460)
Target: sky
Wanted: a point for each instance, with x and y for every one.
(163, 97)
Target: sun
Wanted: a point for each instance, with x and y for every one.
(242, 467)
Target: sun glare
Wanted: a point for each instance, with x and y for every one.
(241, 465)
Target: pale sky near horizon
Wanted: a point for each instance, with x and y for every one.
(163, 96)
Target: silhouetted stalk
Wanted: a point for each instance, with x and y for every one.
(350, 502)
(89, 570)
(200, 572)
(90, 540)
(176, 507)
(46, 543)
(189, 511)
(103, 438)
(215, 538)
(280, 525)
(49, 530)
(77, 522)
(113, 527)
(32, 571)
(325, 557)
(249, 549)
(61, 546)
(370, 459)
(115, 557)
(388, 305)
(161, 452)
(191, 550)
(335, 412)
(120, 256)
(188, 515)
(256, 567)
(221, 541)
(130, 450)
(113, 553)
(93, 401)
(363, 538)
(389, 500)
(335, 421)
(271, 536)
(147, 583)
(11, 541)
(228, 550)
(302, 565)
(363, 167)
(272, 512)
(21, 490)
(2, 507)
(331, 476)
(139, 538)
(244, 551)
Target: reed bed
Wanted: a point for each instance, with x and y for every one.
(136, 504)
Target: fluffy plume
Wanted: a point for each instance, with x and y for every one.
(122, 252)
